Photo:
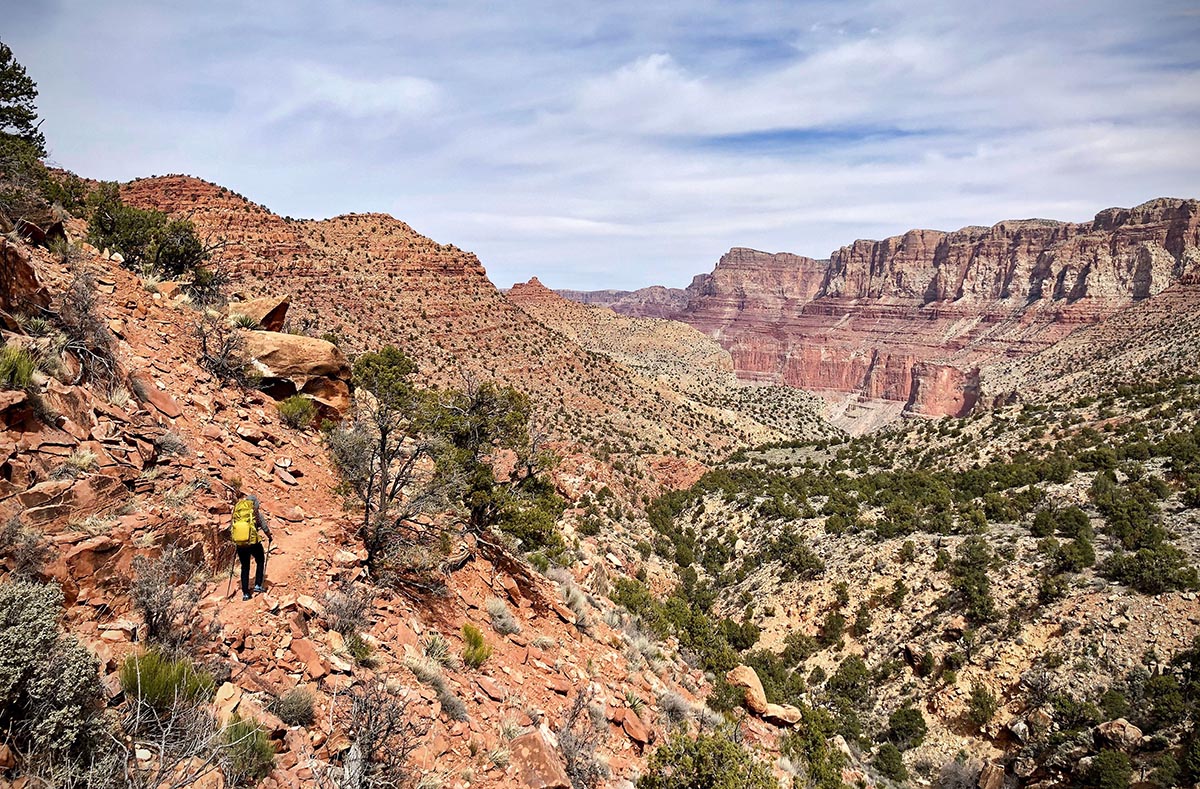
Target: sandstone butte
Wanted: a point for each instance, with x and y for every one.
(922, 318)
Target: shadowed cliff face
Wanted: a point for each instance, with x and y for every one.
(911, 318)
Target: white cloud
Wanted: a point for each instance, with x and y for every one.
(621, 144)
(317, 87)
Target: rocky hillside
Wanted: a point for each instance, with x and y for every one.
(114, 487)
(912, 318)
(368, 279)
(675, 355)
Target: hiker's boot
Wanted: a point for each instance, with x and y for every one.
(259, 589)
(245, 595)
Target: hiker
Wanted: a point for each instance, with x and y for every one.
(248, 522)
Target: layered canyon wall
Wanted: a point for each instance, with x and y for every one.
(913, 317)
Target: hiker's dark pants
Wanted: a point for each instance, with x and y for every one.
(244, 553)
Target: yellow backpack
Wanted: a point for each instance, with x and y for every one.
(245, 530)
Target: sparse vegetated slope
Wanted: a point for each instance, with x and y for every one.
(1025, 580)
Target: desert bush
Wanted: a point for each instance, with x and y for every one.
(295, 707)
(981, 706)
(578, 736)
(575, 600)
(346, 608)
(475, 650)
(26, 548)
(162, 682)
(906, 728)
(675, 707)
(88, 337)
(16, 368)
(385, 734)
(710, 761)
(165, 590)
(958, 774)
(50, 691)
(249, 754)
(297, 411)
(890, 762)
(240, 321)
(437, 648)
(502, 619)
(429, 672)
(222, 350)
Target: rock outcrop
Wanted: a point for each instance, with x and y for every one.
(911, 318)
(293, 364)
(19, 283)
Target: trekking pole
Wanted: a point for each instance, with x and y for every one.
(229, 583)
(266, 557)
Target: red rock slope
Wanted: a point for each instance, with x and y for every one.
(913, 317)
(370, 279)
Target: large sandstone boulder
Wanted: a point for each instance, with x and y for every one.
(744, 677)
(268, 311)
(539, 763)
(782, 714)
(294, 364)
(1120, 734)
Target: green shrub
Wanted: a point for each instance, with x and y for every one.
(1165, 773)
(160, 682)
(475, 650)
(982, 706)
(298, 411)
(16, 368)
(249, 754)
(50, 691)
(1153, 570)
(906, 728)
(710, 761)
(147, 239)
(810, 744)
(1109, 770)
(295, 707)
(240, 321)
(862, 620)
(359, 649)
(832, 629)
(969, 579)
(852, 680)
(890, 762)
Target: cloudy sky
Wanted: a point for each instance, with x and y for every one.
(622, 144)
